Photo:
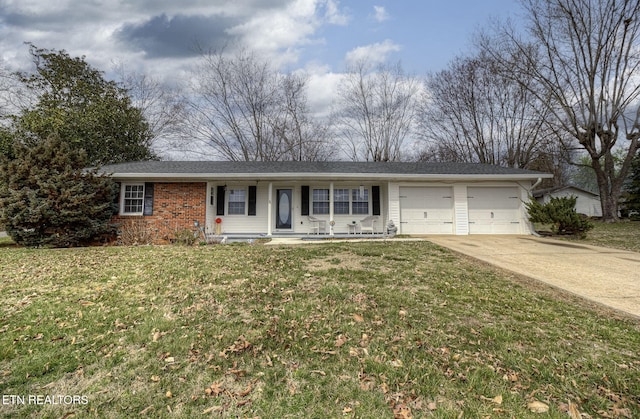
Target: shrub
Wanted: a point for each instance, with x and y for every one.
(47, 198)
(135, 232)
(185, 237)
(561, 213)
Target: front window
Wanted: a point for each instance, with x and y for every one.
(133, 199)
(360, 201)
(237, 199)
(321, 201)
(341, 201)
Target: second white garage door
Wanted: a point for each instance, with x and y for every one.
(494, 210)
(426, 210)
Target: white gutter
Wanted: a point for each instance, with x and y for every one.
(539, 181)
(531, 226)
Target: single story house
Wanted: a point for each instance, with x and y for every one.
(333, 198)
(587, 203)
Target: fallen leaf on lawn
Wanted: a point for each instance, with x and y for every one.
(432, 406)
(212, 409)
(156, 336)
(243, 402)
(340, 340)
(402, 412)
(169, 360)
(168, 394)
(497, 400)
(396, 363)
(574, 413)
(364, 341)
(538, 407)
(146, 410)
(347, 410)
(358, 318)
(214, 389)
(624, 412)
(512, 377)
(155, 378)
(246, 391)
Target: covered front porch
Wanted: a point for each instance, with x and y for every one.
(311, 210)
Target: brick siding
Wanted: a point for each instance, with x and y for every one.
(175, 207)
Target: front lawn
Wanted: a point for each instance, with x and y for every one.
(367, 330)
(623, 235)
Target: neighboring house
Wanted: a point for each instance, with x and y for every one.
(587, 203)
(279, 198)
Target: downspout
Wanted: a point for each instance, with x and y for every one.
(531, 227)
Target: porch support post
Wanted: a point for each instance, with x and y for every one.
(270, 209)
(331, 222)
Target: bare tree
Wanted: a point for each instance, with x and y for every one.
(375, 111)
(584, 55)
(163, 106)
(13, 95)
(305, 139)
(246, 110)
(472, 113)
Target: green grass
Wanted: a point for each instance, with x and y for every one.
(367, 330)
(623, 235)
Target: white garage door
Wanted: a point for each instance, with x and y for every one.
(494, 210)
(426, 210)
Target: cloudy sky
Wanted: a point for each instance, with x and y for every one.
(162, 37)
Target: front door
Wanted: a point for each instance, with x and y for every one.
(283, 208)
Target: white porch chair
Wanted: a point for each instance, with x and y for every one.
(368, 224)
(317, 225)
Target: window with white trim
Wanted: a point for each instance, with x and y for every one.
(341, 201)
(360, 201)
(133, 199)
(320, 201)
(237, 202)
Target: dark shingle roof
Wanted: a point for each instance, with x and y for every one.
(290, 167)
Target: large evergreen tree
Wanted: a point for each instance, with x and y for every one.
(632, 194)
(75, 103)
(47, 198)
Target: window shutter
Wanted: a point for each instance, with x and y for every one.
(220, 200)
(116, 198)
(375, 198)
(252, 200)
(148, 199)
(304, 204)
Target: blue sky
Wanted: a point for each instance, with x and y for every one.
(427, 33)
(158, 37)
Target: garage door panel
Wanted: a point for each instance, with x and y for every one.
(426, 210)
(493, 210)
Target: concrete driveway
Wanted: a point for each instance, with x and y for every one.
(607, 276)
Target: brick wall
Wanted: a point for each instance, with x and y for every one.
(175, 207)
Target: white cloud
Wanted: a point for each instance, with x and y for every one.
(333, 14)
(380, 13)
(374, 53)
(322, 85)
